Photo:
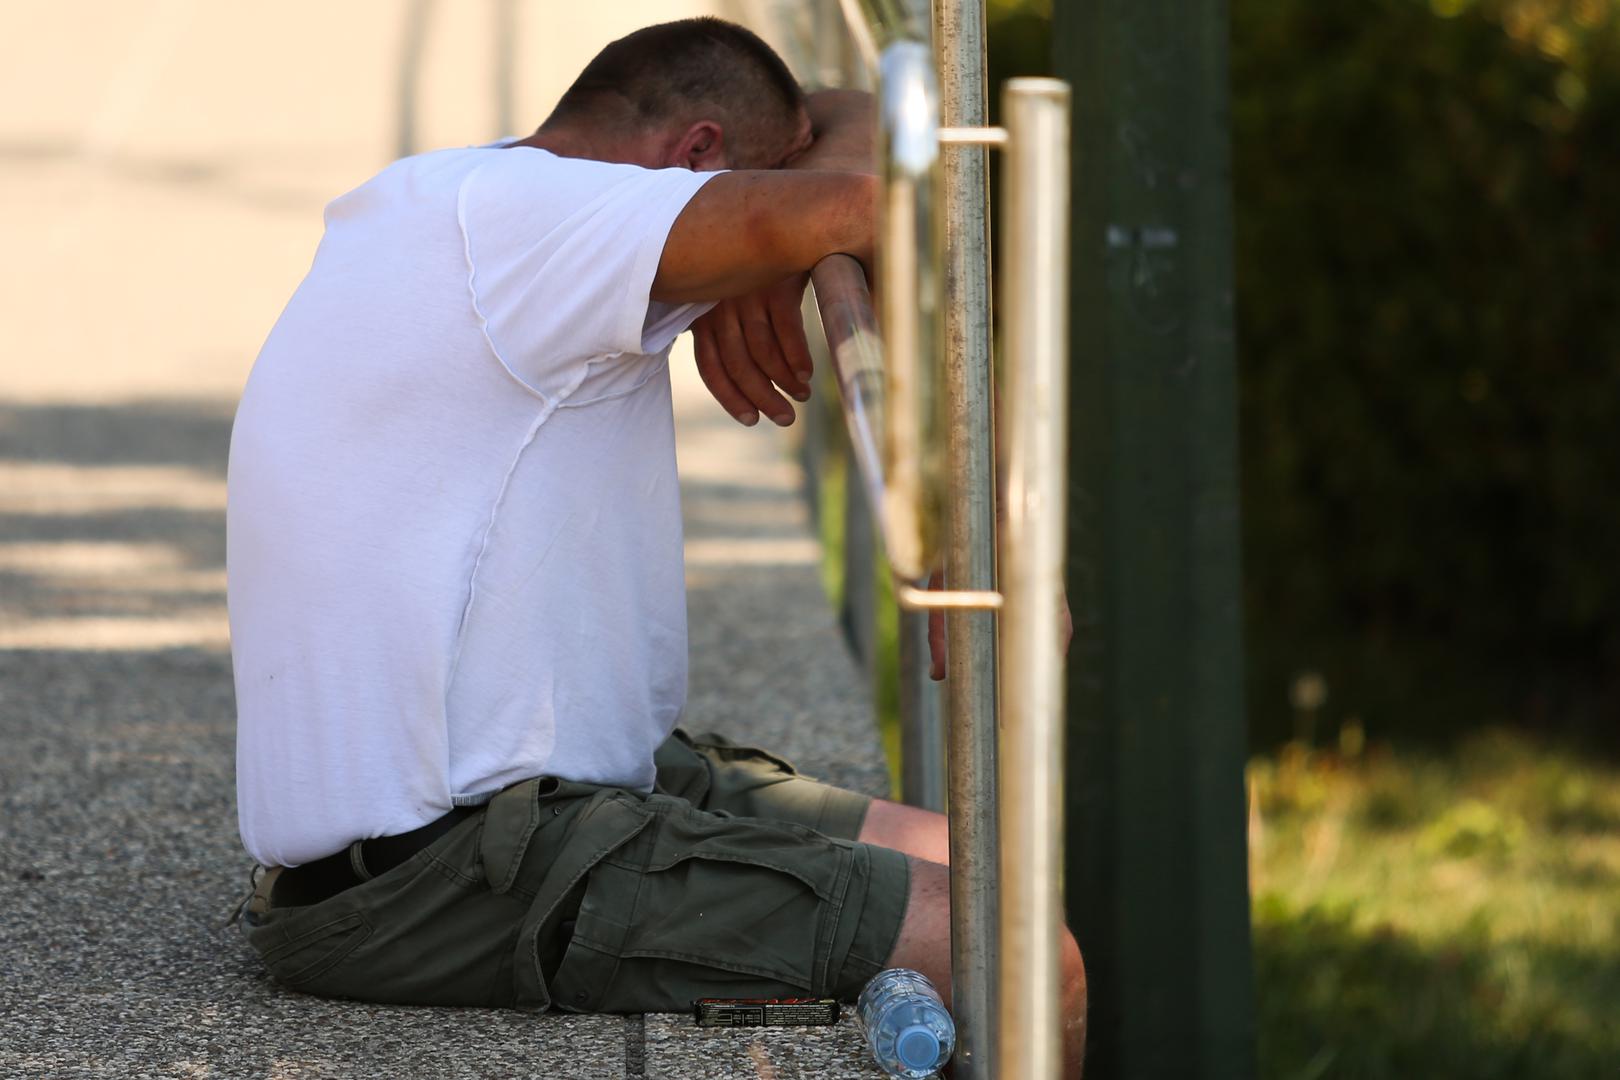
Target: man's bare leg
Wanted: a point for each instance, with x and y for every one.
(921, 834)
(924, 943)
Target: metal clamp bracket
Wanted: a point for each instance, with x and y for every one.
(913, 598)
(974, 136)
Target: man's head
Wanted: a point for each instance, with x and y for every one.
(699, 93)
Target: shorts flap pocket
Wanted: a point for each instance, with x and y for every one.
(723, 749)
(705, 894)
(796, 850)
(607, 823)
(511, 819)
(310, 953)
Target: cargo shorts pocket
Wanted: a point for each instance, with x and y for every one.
(715, 774)
(305, 954)
(541, 839)
(723, 750)
(699, 903)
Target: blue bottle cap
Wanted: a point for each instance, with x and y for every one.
(917, 1047)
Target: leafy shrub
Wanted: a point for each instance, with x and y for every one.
(1427, 249)
(1427, 258)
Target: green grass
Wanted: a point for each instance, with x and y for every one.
(1428, 916)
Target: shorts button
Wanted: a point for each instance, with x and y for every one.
(581, 996)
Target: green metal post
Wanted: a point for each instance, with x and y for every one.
(1156, 868)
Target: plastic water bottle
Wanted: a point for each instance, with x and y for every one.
(906, 1024)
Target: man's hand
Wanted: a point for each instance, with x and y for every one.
(746, 344)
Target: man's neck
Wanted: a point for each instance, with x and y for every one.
(572, 142)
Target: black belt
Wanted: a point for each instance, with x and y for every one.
(316, 881)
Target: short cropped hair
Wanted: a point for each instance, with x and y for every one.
(690, 70)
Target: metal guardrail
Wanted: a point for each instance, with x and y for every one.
(856, 350)
(971, 662)
(908, 296)
(918, 418)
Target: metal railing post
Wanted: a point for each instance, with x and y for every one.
(814, 422)
(908, 271)
(858, 612)
(970, 556)
(1005, 884)
(409, 74)
(503, 69)
(922, 732)
(908, 298)
(832, 49)
(1035, 233)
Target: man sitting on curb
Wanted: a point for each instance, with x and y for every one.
(456, 584)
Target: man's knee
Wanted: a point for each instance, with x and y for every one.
(924, 941)
(1074, 974)
(1073, 993)
(1074, 966)
(924, 944)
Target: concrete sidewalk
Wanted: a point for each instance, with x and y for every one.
(163, 164)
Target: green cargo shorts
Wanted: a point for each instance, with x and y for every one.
(735, 877)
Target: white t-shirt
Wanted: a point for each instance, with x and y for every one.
(454, 533)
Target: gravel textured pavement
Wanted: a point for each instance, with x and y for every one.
(162, 169)
(118, 856)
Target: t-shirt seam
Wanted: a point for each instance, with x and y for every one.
(634, 304)
(652, 373)
(550, 403)
(499, 502)
(472, 292)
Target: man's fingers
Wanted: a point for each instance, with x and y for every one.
(746, 345)
(711, 369)
(760, 335)
(787, 322)
(744, 372)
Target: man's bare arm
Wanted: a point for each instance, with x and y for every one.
(754, 340)
(843, 127)
(743, 231)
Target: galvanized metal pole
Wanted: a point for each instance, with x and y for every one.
(833, 56)
(922, 731)
(908, 269)
(1035, 233)
(858, 613)
(907, 294)
(505, 33)
(970, 556)
(408, 75)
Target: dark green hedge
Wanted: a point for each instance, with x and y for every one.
(1428, 275)
(1428, 256)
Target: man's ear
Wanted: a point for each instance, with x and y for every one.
(701, 148)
